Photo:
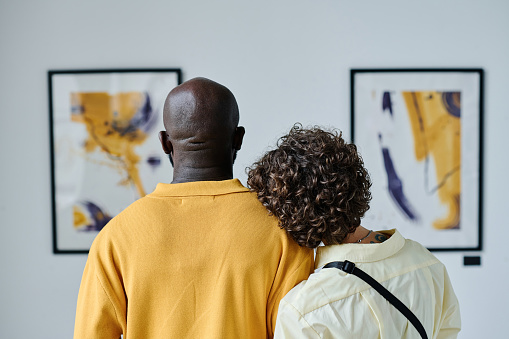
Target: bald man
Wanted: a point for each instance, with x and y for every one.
(197, 258)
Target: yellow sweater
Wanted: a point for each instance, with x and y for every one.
(190, 260)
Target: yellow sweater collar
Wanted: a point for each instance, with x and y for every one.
(199, 188)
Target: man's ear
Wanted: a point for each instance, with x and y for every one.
(165, 142)
(238, 136)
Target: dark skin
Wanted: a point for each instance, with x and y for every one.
(202, 135)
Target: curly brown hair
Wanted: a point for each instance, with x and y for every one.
(315, 183)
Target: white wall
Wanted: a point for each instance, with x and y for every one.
(286, 61)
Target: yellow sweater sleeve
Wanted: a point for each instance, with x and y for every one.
(296, 265)
(100, 311)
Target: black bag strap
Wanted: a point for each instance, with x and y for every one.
(349, 267)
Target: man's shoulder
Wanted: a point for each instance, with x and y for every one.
(242, 206)
(121, 220)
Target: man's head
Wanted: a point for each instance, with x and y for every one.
(202, 134)
(315, 183)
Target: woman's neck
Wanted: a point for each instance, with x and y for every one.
(364, 236)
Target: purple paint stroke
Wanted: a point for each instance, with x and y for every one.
(144, 117)
(448, 99)
(387, 102)
(151, 115)
(143, 120)
(395, 187)
(98, 216)
(154, 161)
(77, 109)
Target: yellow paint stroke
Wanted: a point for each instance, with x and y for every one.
(438, 133)
(107, 119)
(80, 219)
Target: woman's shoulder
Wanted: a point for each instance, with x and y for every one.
(323, 287)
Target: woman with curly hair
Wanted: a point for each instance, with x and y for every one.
(315, 183)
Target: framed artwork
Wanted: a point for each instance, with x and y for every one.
(105, 151)
(419, 132)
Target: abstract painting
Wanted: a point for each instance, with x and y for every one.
(105, 151)
(419, 132)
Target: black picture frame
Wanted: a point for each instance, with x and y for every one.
(132, 100)
(419, 97)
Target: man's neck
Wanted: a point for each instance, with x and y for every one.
(190, 174)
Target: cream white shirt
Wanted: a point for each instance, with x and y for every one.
(334, 304)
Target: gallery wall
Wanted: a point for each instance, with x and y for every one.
(286, 61)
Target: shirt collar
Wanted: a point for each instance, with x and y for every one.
(199, 188)
(360, 252)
